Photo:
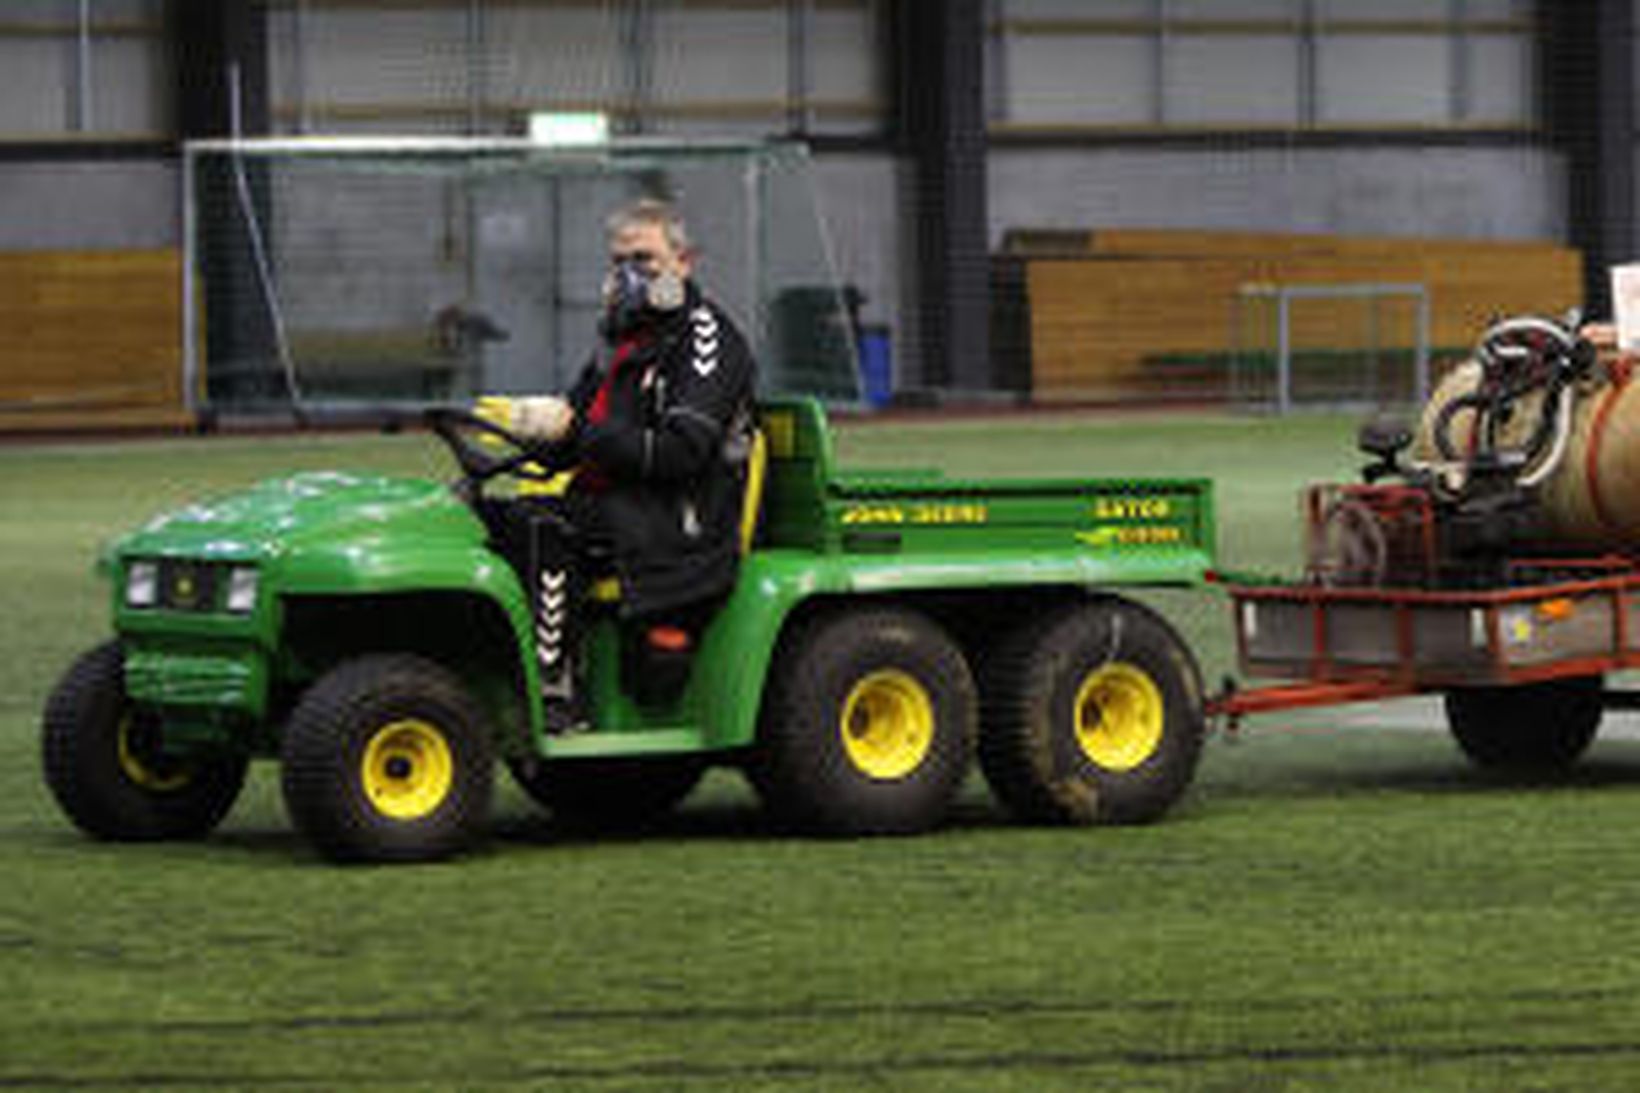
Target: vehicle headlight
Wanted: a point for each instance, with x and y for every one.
(142, 584)
(242, 582)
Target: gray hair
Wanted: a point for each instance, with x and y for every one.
(650, 210)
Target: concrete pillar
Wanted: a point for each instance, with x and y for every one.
(1589, 112)
(221, 54)
(939, 61)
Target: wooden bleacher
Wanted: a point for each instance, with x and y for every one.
(1093, 311)
(93, 340)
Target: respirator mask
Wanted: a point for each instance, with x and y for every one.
(632, 295)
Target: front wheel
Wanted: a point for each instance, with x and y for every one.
(1093, 715)
(868, 725)
(388, 758)
(1536, 726)
(107, 766)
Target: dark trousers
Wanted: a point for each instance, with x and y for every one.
(560, 546)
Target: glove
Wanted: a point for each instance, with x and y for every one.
(541, 417)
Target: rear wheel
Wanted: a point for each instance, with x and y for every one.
(106, 764)
(609, 793)
(1536, 726)
(1093, 715)
(867, 727)
(387, 758)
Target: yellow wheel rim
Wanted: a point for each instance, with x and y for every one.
(1120, 715)
(166, 777)
(887, 725)
(407, 770)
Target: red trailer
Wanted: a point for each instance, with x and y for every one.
(1442, 573)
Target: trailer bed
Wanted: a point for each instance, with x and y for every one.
(1571, 619)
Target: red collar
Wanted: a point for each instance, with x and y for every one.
(625, 350)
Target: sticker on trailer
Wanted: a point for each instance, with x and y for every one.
(1517, 626)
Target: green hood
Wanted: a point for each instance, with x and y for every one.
(320, 509)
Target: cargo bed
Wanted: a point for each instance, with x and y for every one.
(1339, 644)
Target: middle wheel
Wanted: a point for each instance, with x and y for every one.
(609, 794)
(1093, 715)
(868, 725)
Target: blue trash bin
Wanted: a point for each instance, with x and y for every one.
(876, 365)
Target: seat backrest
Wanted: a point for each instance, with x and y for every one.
(799, 471)
(751, 501)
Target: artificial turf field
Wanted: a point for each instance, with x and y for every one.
(1340, 902)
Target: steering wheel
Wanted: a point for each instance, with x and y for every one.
(462, 432)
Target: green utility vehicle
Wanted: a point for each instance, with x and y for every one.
(374, 636)
(369, 634)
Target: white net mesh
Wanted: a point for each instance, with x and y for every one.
(358, 273)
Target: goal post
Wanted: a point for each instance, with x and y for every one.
(349, 273)
(1330, 345)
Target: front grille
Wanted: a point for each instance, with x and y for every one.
(190, 586)
(225, 679)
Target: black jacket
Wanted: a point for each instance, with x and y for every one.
(672, 451)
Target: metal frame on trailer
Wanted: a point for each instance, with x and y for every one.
(1518, 634)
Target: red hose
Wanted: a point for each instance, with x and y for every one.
(1619, 371)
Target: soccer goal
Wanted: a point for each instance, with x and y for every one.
(1358, 344)
(328, 274)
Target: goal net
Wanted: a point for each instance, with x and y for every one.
(354, 273)
(1329, 346)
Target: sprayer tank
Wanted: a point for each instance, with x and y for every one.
(1591, 498)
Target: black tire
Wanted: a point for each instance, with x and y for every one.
(1536, 726)
(1092, 715)
(387, 758)
(104, 765)
(867, 725)
(609, 794)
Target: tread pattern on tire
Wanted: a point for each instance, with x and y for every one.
(800, 768)
(323, 747)
(80, 756)
(1025, 750)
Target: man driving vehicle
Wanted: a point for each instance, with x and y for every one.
(658, 428)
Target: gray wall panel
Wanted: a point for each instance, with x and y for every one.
(1486, 193)
(89, 206)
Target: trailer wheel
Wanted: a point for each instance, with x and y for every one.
(1093, 715)
(619, 794)
(868, 725)
(387, 758)
(1535, 726)
(105, 766)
